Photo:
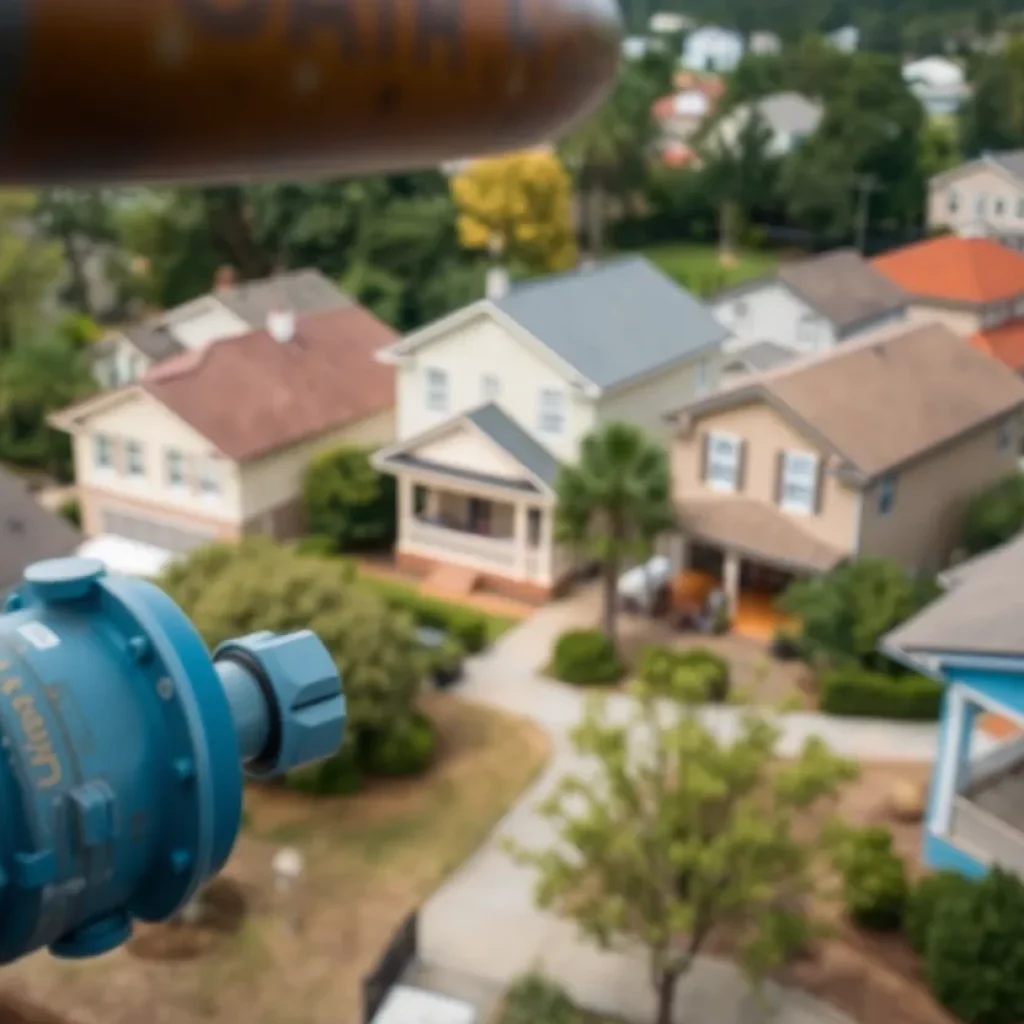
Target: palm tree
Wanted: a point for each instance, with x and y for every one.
(615, 502)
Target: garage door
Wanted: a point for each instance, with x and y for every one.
(155, 532)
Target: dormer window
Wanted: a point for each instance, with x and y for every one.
(437, 390)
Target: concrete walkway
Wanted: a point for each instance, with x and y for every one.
(482, 923)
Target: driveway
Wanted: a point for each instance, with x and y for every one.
(482, 923)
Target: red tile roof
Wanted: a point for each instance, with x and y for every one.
(969, 270)
(1005, 343)
(252, 395)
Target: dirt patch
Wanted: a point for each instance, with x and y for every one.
(369, 860)
(16, 1011)
(219, 911)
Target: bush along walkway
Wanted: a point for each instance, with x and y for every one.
(483, 921)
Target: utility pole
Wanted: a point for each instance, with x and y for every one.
(866, 184)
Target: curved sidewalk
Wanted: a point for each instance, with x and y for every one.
(483, 923)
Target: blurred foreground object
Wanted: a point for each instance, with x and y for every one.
(124, 741)
(135, 91)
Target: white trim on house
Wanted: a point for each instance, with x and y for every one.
(439, 329)
(954, 174)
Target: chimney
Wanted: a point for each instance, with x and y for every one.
(281, 325)
(497, 283)
(224, 278)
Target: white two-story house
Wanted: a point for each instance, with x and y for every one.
(812, 305)
(492, 399)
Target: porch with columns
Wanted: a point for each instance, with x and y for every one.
(494, 533)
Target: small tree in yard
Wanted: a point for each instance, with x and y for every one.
(348, 501)
(679, 838)
(615, 502)
(994, 516)
(845, 612)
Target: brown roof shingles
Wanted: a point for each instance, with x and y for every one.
(758, 529)
(881, 403)
(252, 395)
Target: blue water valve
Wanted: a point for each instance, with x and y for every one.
(123, 749)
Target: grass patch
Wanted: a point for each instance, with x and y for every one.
(697, 267)
(369, 860)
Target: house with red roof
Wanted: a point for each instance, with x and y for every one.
(973, 285)
(212, 443)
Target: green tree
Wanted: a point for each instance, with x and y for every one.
(993, 117)
(994, 516)
(847, 611)
(256, 585)
(614, 502)
(697, 839)
(940, 148)
(347, 500)
(608, 152)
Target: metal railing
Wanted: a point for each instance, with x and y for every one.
(494, 551)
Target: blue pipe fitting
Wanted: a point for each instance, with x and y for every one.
(122, 750)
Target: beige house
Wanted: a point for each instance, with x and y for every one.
(981, 198)
(212, 444)
(871, 449)
(494, 398)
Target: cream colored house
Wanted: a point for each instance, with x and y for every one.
(494, 398)
(872, 449)
(213, 444)
(981, 198)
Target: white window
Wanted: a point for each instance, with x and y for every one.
(953, 201)
(490, 387)
(135, 458)
(808, 330)
(437, 390)
(980, 204)
(799, 482)
(552, 412)
(209, 478)
(723, 462)
(887, 494)
(1020, 208)
(701, 376)
(1006, 436)
(999, 207)
(102, 452)
(175, 464)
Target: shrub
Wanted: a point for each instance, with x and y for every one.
(857, 693)
(925, 899)
(347, 500)
(586, 656)
(317, 544)
(786, 644)
(339, 775)
(407, 748)
(874, 879)
(660, 666)
(994, 515)
(231, 591)
(71, 510)
(975, 957)
(470, 628)
(533, 999)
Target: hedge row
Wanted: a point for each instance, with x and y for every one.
(472, 629)
(855, 692)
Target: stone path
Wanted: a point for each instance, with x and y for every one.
(482, 923)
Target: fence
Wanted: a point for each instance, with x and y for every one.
(394, 962)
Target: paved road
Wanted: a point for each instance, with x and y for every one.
(482, 922)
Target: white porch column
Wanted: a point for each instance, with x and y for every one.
(731, 580)
(405, 507)
(433, 509)
(551, 567)
(521, 534)
(675, 549)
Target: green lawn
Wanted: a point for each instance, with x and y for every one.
(697, 267)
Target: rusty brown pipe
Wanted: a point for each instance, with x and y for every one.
(142, 91)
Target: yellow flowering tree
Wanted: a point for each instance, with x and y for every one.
(521, 205)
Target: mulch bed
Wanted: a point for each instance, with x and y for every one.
(224, 907)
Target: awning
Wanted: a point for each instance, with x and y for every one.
(124, 557)
(758, 532)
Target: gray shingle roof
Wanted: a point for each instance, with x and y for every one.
(302, 291)
(1011, 160)
(843, 287)
(28, 532)
(510, 437)
(982, 612)
(614, 322)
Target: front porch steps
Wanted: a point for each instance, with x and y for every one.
(450, 581)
